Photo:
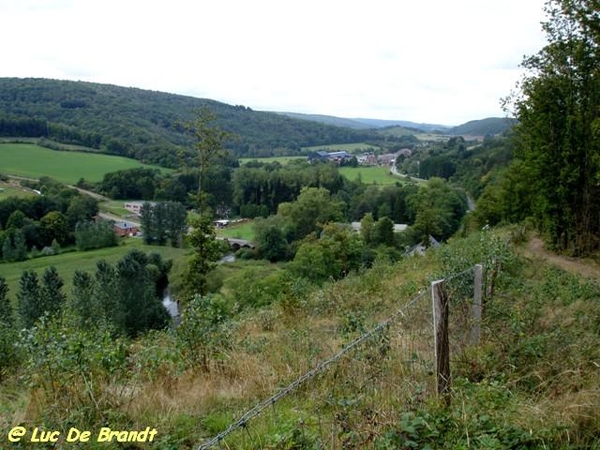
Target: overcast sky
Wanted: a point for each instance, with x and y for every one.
(434, 61)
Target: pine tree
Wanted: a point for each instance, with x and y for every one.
(51, 293)
(6, 312)
(29, 299)
(137, 294)
(106, 295)
(84, 305)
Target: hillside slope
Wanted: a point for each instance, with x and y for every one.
(146, 124)
(490, 126)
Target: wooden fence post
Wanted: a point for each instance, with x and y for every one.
(439, 298)
(477, 298)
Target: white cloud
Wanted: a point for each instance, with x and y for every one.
(434, 61)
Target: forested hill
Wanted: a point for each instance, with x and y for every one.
(146, 124)
(491, 126)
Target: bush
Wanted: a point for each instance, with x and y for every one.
(93, 235)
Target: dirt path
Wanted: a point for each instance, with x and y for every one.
(581, 266)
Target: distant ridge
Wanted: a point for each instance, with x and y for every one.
(490, 126)
(146, 125)
(364, 123)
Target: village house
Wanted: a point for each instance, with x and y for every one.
(329, 156)
(135, 207)
(386, 159)
(398, 227)
(123, 228)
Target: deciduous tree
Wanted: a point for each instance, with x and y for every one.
(558, 135)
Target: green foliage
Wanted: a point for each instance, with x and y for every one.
(13, 247)
(42, 218)
(203, 335)
(84, 307)
(82, 208)
(136, 184)
(36, 299)
(7, 330)
(383, 232)
(557, 135)
(485, 127)
(209, 144)
(54, 226)
(254, 287)
(137, 294)
(484, 247)
(51, 294)
(366, 228)
(147, 128)
(439, 210)
(335, 254)
(164, 221)
(206, 253)
(69, 369)
(94, 235)
(480, 422)
(29, 299)
(270, 238)
(311, 211)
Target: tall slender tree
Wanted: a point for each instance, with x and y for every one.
(209, 145)
(51, 294)
(558, 135)
(6, 312)
(29, 299)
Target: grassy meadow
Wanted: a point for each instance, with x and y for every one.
(8, 189)
(271, 159)
(371, 175)
(66, 263)
(244, 230)
(33, 161)
(115, 207)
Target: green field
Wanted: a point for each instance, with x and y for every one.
(115, 207)
(67, 263)
(355, 147)
(244, 230)
(432, 137)
(33, 161)
(371, 175)
(270, 159)
(12, 190)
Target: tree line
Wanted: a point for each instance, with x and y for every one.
(46, 221)
(553, 178)
(148, 125)
(125, 297)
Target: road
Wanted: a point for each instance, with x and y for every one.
(91, 194)
(107, 216)
(394, 171)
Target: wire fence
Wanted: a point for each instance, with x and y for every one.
(364, 386)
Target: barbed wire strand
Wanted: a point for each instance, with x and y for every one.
(260, 407)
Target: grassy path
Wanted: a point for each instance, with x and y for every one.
(534, 249)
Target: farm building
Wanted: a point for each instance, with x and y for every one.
(398, 227)
(124, 228)
(329, 156)
(135, 207)
(222, 223)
